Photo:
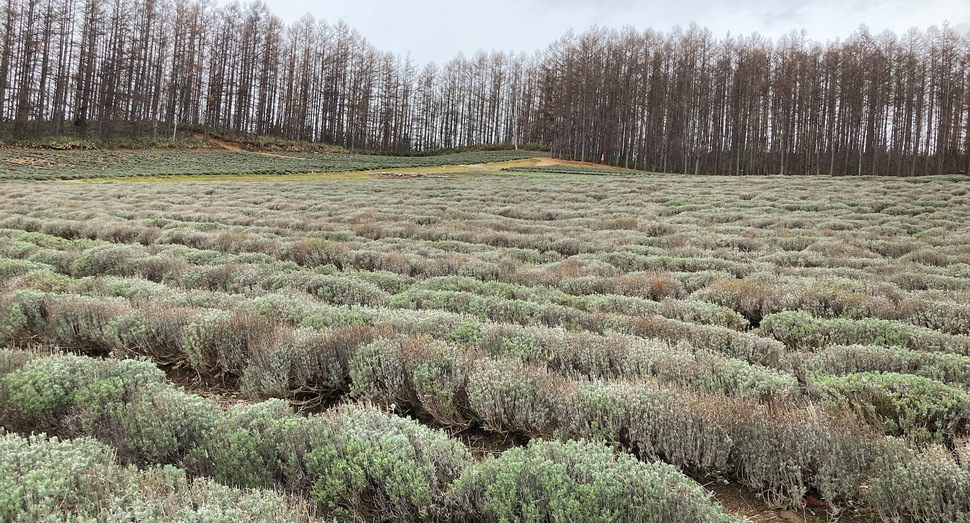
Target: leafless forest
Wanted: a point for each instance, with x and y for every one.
(679, 101)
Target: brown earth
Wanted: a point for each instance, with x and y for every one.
(746, 504)
(235, 147)
(34, 162)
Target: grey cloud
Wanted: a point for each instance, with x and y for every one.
(606, 5)
(784, 14)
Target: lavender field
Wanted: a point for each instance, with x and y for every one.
(504, 346)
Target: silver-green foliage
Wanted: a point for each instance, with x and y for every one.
(46, 479)
(579, 481)
(510, 396)
(928, 486)
(377, 467)
(918, 407)
(289, 362)
(355, 461)
(847, 359)
(801, 331)
(416, 372)
(44, 390)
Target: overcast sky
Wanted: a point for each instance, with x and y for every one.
(437, 30)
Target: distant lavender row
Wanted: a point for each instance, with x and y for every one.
(39, 164)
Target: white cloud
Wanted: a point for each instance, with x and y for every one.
(438, 29)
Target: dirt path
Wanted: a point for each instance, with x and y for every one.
(234, 147)
(743, 502)
(548, 161)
